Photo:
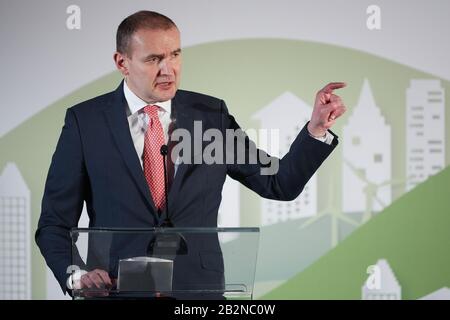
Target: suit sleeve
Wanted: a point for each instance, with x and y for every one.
(270, 177)
(62, 203)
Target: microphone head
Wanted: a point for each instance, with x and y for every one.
(166, 224)
(164, 150)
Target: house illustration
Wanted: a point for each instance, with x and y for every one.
(366, 147)
(15, 266)
(425, 130)
(287, 114)
(381, 283)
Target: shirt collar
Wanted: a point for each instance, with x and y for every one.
(135, 104)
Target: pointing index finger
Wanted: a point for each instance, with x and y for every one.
(333, 86)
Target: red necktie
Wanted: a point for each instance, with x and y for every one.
(153, 160)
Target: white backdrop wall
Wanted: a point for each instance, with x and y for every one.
(43, 60)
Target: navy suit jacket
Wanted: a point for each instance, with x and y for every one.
(95, 162)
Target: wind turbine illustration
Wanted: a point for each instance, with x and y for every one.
(334, 212)
(371, 191)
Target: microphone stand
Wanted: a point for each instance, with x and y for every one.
(171, 244)
(164, 151)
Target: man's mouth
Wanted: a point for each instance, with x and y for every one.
(164, 85)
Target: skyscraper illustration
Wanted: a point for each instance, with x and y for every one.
(425, 130)
(15, 263)
(366, 146)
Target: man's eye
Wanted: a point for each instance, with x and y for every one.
(153, 60)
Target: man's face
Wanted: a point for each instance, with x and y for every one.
(152, 70)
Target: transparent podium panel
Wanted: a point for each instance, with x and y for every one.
(164, 263)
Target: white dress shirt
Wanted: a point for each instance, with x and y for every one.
(138, 120)
(328, 138)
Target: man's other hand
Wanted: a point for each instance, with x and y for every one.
(94, 283)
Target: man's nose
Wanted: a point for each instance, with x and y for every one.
(165, 68)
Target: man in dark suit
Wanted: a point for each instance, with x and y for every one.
(108, 156)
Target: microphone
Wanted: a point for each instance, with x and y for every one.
(164, 151)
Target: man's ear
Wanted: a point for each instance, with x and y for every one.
(121, 63)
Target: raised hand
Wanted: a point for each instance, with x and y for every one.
(327, 108)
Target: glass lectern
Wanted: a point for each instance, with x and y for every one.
(164, 263)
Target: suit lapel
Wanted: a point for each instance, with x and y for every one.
(117, 120)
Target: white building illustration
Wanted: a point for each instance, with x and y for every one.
(15, 266)
(366, 157)
(288, 114)
(441, 294)
(381, 283)
(425, 130)
(229, 210)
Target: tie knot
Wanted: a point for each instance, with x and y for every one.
(151, 111)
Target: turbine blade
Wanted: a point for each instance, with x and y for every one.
(357, 172)
(311, 221)
(347, 219)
